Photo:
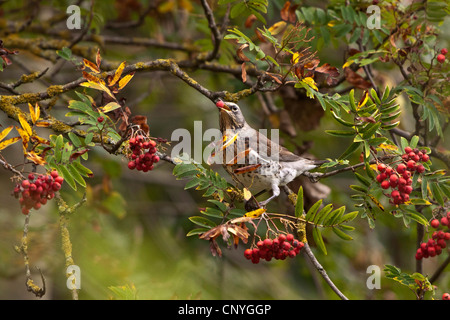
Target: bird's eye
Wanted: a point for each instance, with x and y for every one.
(234, 108)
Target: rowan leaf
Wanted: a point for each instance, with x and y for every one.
(91, 65)
(8, 142)
(124, 81)
(317, 235)
(117, 74)
(34, 112)
(25, 125)
(5, 132)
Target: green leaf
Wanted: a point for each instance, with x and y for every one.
(352, 148)
(76, 175)
(319, 240)
(222, 206)
(202, 221)
(322, 213)
(196, 231)
(183, 168)
(437, 193)
(362, 179)
(59, 143)
(341, 234)
(62, 170)
(65, 53)
(299, 204)
(212, 212)
(414, 141)
(313, 209)
(74, 138)
(81, 169)
(341, 133)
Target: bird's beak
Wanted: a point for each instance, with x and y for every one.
(222, 106)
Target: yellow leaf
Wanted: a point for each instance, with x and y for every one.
(25, 138)
(35, 158)
(296, 57)
(5, 132)
(364, 100)
(347, 64)
(255, 213)
(332, 23)
(117, 74)
(8, 142)
(377, 203)
(91, 65)
(124, 81)
(97, 86)
(35, 112)
(25, 125)
(247, 194)
(390, 147)
(277, 27)
(310, 82)
(110, 107)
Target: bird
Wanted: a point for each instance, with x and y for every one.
(254, 160)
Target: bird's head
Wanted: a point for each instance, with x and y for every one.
(230, 116)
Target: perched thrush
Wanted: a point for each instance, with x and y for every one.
(254, 160)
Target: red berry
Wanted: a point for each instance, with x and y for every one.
(441, 243)
(282, 238)
(425, 157)
(268, 242)
(385, 184)
(290, 237)
(401, 168)
(441, 58)
(447, 236)
(408, 149)
(381, 167)
(25, 184)
(56, 186)
(431, 251)
(54, 174)
(444, 51)
(131, 165)
(420, 168)
(434, 223)
(411, 164)
(446, 296)
(100, 119)
(25, 210)
(248, 253)
(444, 221)
(220, 104)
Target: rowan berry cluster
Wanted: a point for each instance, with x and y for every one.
(437, 242)
(399, 179)
(279, 248)
(143, 153)
(37, 189)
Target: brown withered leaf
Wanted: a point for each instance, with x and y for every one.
(215, 249)
(141, 121)
(240, 54)
(91, 65)
(292, 16)
(331, 73)
(356, 80)
(243, 73)
(250, 20)
(75, 155)
(284, 13)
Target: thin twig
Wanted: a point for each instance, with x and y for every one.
(322, 271)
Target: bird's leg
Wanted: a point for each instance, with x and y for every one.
(276, 193)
